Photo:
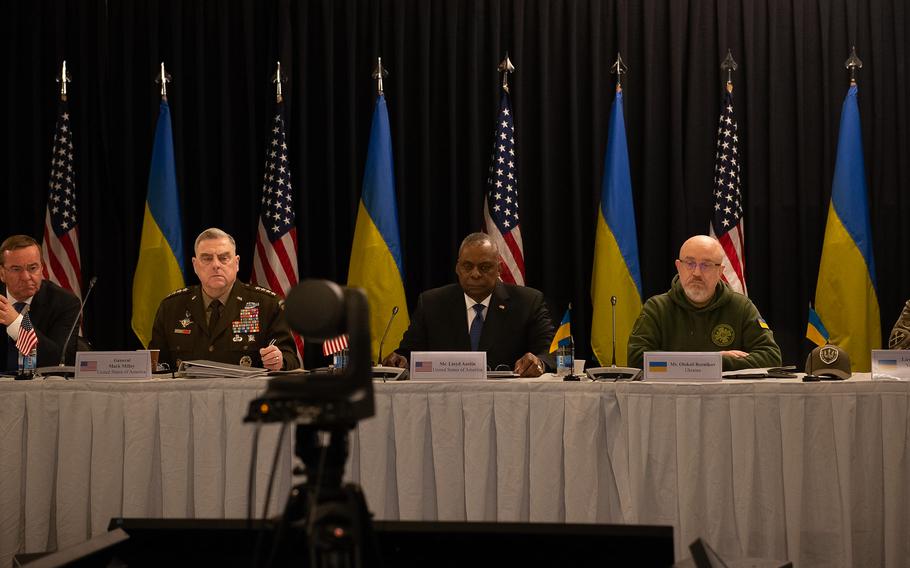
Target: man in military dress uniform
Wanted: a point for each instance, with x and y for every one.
(222, 319)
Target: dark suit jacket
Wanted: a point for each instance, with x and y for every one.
(517, 322)
(53, 311)
(181, 332)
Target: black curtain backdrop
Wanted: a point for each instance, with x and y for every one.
(442, 93)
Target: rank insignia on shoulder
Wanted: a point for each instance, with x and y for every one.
(266, 291)
(763, 324)
(178, 292)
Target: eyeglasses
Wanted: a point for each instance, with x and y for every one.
(483, 267)
(16, 270)
(704, 266)
(224, 258)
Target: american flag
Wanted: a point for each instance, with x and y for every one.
(500, 207)
(334, 345)
(60, 252)
(275, 257)
(727, 224)
(27, 339)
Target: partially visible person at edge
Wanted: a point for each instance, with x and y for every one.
(52, 310)
(900, 333)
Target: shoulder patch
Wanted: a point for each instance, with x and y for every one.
(178, 292)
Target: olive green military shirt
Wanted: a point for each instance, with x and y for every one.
(670, 322)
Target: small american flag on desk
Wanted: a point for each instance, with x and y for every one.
(275, 257)
(423, 366)
(27, 339)
(500, 207)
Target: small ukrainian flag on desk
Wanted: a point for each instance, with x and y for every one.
(815, 329)
(657, 367)
(564, 332)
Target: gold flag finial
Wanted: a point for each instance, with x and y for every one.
(853, 63)
(163, 79)
(619, 68)
(278, 79)
(63, 79)
(729, 65)
(505, 67)
(379, 73)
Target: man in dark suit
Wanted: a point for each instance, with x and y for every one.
(223, 319)
(480, 313)
(51, 309)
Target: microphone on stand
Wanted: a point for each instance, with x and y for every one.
(614, 373)
(388, 373)
(62, 368)
(385, 333)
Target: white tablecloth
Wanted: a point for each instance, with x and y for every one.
(815, 472)
(73, 454)
(818, 473)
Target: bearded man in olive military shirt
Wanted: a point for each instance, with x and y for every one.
(222, 319)
(701, 313)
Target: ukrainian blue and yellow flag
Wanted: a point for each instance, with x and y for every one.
(159, 270)
(815, 329)
(616, 273)
(376, 253)
(564, 332)
(845, 296)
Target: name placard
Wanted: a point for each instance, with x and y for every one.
(888, 364)
(677, 366)
(448, 365)
(113, 365)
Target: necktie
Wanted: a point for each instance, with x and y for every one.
(12, 354)
(476, 326)
(216, 313)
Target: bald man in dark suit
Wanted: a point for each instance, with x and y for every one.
(514, 329)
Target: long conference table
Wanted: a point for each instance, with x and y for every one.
(817, 473)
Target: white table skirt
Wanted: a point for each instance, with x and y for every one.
(818, 473)
(73, 454)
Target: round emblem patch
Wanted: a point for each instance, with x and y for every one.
(828, 354)
(722, 335)
(246, 361)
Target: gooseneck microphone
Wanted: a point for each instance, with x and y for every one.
(91, 284)
(386, 332)
(614, 373)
